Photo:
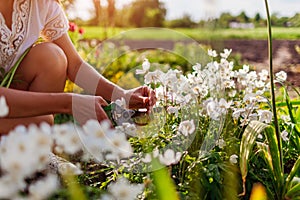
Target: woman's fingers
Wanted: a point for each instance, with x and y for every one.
(87, 107)
(141, 97)
(101, 101)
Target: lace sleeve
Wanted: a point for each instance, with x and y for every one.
(56, 22)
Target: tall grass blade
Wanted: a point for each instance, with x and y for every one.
(74, 189)
(248, 140)
(276, 125)
(271, 153)
(164, 185)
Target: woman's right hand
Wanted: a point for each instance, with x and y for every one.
(86, 107)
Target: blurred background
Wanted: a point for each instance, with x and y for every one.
(180, 13)
(218, 24)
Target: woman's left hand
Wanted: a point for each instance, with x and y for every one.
(141, 97)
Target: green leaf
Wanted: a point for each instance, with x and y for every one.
(164, 185)
(294, 116)
(293, 172)
(2, 71)
(276, 159)
(294, 191)
(74, 189)
(251, 132)
(267, 156)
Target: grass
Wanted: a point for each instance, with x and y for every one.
(101, 33)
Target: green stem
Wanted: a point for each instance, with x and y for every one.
(9, 76)
(272, 84)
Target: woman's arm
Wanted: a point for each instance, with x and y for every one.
(84, 75)
(30, 104)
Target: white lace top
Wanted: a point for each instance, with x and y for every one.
(30, 19)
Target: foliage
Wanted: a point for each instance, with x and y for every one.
(147, 13)
(211, 134)
(206, 33)
(183, 22)
(280, 186)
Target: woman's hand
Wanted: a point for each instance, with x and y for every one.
(86, 107)
(141, 97)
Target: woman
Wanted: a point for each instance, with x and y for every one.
(41, 75)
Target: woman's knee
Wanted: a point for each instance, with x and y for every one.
(7, 125)
(44, 63)
(50, 58)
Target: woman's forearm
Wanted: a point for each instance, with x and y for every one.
(29, 104)
(84, 75)
(88, 78)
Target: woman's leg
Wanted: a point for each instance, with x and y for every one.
(43, 69)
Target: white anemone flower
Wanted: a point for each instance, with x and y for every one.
(170, 157)
(10, 187)
(25, 151)
(42, 189)
(197, 67)
(95, 139)
(259, 83)
(263, 75)
(221, 143)
(96, 129)
(3, 107)
(147, 158)
(118, 146)
(226, 53)
(153, 77)
(128, 129)
(284, 135)
(212, 109)
(265, 116)
(67, 138)
(146, 67)
(123, 190)
(251, 77)
(223, 104)
(187, 127)
(245, 69)
(173, 110)
(93, 149)
(233, 159)
(281, 76)
(121, 102)
(238, 112)
(232, 93)
(212, 53)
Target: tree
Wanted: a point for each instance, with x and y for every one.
(225, 19)
(242, 17)
(111, 12)
(146, 13)
(184, 22)
(257, 18)
(295, 20)
(97, 18)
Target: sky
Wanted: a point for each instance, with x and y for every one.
(203, 9)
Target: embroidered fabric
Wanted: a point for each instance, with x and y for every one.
(30, 19)
(10, 40)
(56, 26)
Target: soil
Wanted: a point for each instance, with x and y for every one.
(255, 53)
(252, 52)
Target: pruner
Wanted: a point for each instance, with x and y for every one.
(119, 115)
